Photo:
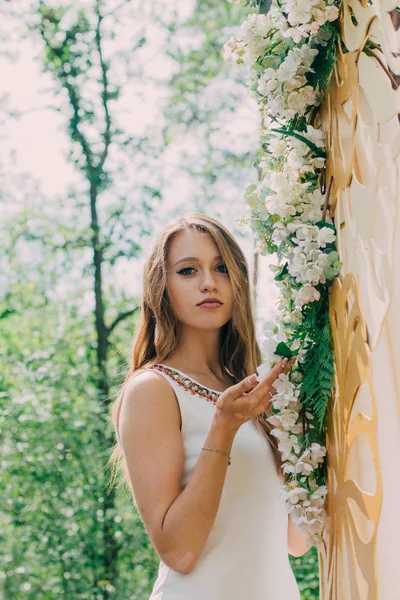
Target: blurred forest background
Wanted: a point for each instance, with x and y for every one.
(116, 116)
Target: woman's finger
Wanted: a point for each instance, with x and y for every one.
(238, 389)
(273, 374)
(289, 365)
(284, 367)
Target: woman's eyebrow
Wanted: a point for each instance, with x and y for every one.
(192, 258)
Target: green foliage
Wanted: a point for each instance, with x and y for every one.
(62, 535)
(323, 63)
(53, 457)
(317, 151)
(305, 569)
(50, 482)
(282, 273)
(283, 350)
(204, 96)
(263, 5)
(318, 365)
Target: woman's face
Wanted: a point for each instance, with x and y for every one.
(195, 271)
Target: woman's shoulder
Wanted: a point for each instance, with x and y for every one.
(143, 378)
(148, 390)
(148, 401)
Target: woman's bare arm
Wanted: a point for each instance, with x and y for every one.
(297, 541)
(178, 522)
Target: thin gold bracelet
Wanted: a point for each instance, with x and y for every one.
(220, 451)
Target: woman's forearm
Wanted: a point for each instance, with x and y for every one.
(297, 541)
(190, 517)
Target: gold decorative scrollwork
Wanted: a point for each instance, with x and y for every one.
(347, 555)
(360, 116)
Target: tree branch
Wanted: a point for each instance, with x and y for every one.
(104, 95)
(21, 113)
(120, 318)
(116, 9)
(73, 98)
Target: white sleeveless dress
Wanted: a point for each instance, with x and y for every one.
(246, 554)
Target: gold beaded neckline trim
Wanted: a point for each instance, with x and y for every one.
(192, 386)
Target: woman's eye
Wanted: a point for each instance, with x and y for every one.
(188, 270)
(182, 271)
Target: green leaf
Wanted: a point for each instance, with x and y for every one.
(318, 369)
(265, 6)
(284, 271)
(321, 224)
(283, 350)
(318, 151)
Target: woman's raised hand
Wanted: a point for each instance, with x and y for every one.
(248, 398)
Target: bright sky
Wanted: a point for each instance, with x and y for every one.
(36, 142)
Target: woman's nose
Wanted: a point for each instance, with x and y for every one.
(208, 281)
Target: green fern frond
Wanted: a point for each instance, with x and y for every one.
(318, 372)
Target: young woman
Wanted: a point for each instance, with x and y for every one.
(191, 425)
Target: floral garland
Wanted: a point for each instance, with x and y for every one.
(289, 54)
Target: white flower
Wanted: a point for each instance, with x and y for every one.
(277, 147)
(231, 48)
(308, 55)
(303, 14)
(298, 11)
(316, 136)
(317, 498)
(267, 82)
(314, 274)
(295, 33)
(326, 235)
(310, 459)
(306, 294)
(272, 335)
(293, 227)
(262, 371)
(274, 420)
(287, 467)
(300, 100)
(287, 442)
(296, 429)
(309, 519)
(288, 68)
(289, 418)
(331, 12)
(276, 106)
(274, 329)
(257, 25)
(303, 467)
(295, 83)
(294, 495)
(279, 51)
(317, 453)
(308, 233)
(283, 385)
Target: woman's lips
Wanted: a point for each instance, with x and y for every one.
(210, 305)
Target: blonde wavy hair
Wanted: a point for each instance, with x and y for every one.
(156, 335)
